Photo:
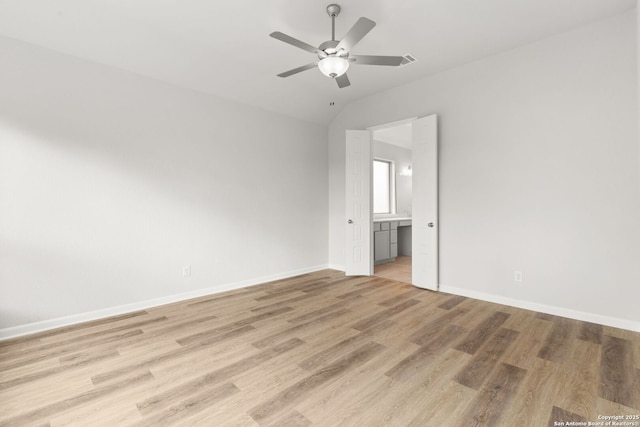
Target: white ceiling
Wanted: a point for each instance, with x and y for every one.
(224, 48)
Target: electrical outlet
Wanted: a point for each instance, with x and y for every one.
(517, 276)
(186, 271)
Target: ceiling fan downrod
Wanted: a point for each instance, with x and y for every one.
(333, 10)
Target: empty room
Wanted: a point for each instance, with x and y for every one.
(303, 213)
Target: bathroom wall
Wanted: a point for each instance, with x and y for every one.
(401, 158)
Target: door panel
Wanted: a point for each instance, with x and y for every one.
(358, 204)
(424, 261)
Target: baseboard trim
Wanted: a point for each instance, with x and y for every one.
(543, 308)
(45, 325)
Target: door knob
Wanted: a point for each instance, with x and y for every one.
(350, 222)
(430, 224)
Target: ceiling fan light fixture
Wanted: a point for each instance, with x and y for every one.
(333, 66)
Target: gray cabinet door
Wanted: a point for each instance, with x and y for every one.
(381, 245)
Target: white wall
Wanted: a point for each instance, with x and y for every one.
(401, 158)
(538, 171)
(110, 183)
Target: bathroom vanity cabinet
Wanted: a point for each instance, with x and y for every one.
(385, 239)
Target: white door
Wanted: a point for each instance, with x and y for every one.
(424, 261)
(359, 251)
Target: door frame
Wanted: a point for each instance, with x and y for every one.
(371, 129)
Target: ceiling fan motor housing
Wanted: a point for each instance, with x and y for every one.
(328, 47)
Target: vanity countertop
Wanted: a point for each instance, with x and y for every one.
(392, 218)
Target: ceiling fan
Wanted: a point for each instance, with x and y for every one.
(335, 56)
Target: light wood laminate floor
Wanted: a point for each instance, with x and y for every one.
(323, 350)
(399, 270)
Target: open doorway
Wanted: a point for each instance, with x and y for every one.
(392, 189)
(364, 247)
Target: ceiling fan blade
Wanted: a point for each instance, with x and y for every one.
(355, 34)
(343, 81)
(377, 60)
(298, 70)
(294, 42)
